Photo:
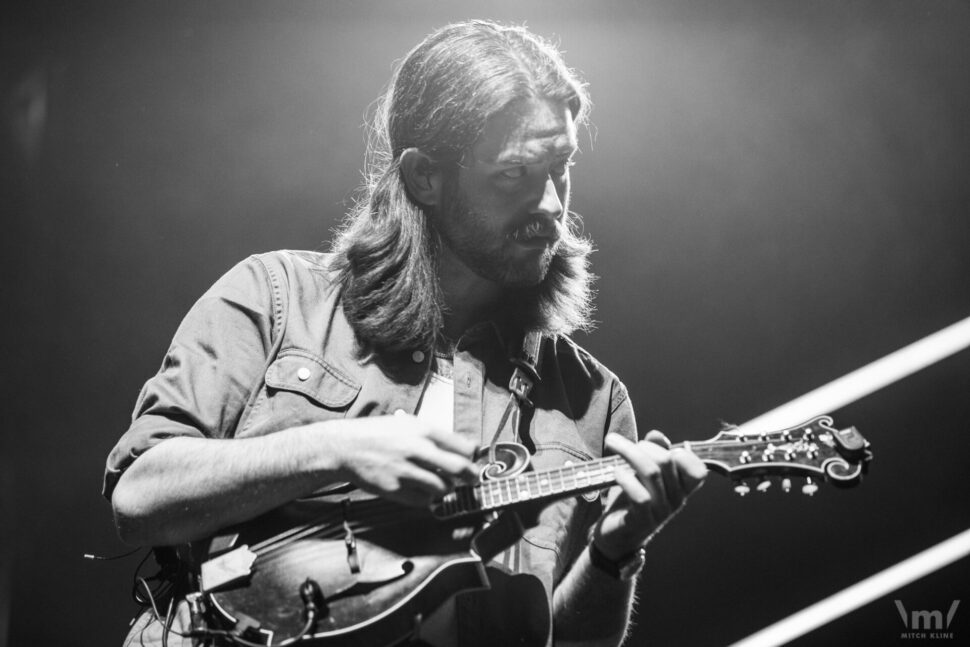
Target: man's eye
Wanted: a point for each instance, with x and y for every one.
(514, 172)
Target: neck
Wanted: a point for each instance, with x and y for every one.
(469, 299)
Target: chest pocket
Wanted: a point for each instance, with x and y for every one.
(300, 388)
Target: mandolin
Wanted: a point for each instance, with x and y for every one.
(350, 569)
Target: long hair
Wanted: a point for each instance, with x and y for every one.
(438, 101)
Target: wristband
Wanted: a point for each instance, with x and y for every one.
(624, 569)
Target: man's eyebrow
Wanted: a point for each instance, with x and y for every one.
(526, 160)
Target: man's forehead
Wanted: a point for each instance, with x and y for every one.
(527, 131)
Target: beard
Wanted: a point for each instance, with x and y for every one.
(493, 253)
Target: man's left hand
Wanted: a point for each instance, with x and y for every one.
(649, 494)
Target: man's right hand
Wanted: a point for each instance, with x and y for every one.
(401, 457)
(186, 488)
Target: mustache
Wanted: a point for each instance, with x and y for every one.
(537, 227)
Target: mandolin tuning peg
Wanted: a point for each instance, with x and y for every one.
(741, 489)
(810, 487)
(764, 486)
(786, 485)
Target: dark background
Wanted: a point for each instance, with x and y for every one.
(778, 192)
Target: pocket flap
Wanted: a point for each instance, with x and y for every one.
(308, 374)
(557, 453)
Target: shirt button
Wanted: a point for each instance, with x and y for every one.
(417, 356)
(303, 374)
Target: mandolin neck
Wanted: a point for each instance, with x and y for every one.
(813, 449)
(556, 483)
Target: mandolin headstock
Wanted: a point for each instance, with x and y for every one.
(814, 450)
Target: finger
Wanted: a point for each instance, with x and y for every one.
(414, 486)
(635, 491)
(688, 471)
(664, 474)
(450, 466)
(658, 438)
(669, 471)
(636, 503)
(443, 440)
(691, 470)
(615, 442)
(425, 483)
(643, 458)
(676, 485)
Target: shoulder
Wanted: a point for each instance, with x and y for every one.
(568, 355)
(271, 283)
(285, 262)
(299, 264)
(279, 271)
(578, 369)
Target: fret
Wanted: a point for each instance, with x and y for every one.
(508, 485)
(533, 481)
(605, 474)
(579, 475)
(558, 479)
(568, 474)
(496, 494)
(542, 484)
(493, 495)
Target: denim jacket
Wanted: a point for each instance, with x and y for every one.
(268, 348)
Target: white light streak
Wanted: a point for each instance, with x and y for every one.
(857, 595)
(865, 380)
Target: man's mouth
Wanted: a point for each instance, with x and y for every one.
(536, 232)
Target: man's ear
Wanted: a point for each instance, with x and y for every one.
(422, 176)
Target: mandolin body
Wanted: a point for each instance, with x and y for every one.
(406, 569)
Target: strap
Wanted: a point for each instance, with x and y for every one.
(524, 377)
(530, 355)
(527, 365)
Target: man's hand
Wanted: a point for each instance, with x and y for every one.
(186, 488)
(649, 494)
(402, 458)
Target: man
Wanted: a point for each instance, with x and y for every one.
(387, 363)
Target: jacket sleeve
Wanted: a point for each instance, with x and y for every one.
(214, 362)
(622, 420)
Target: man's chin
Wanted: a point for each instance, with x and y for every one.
(525, 277)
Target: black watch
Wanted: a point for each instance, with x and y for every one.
(624, 569)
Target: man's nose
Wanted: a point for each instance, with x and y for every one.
(550, 204)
